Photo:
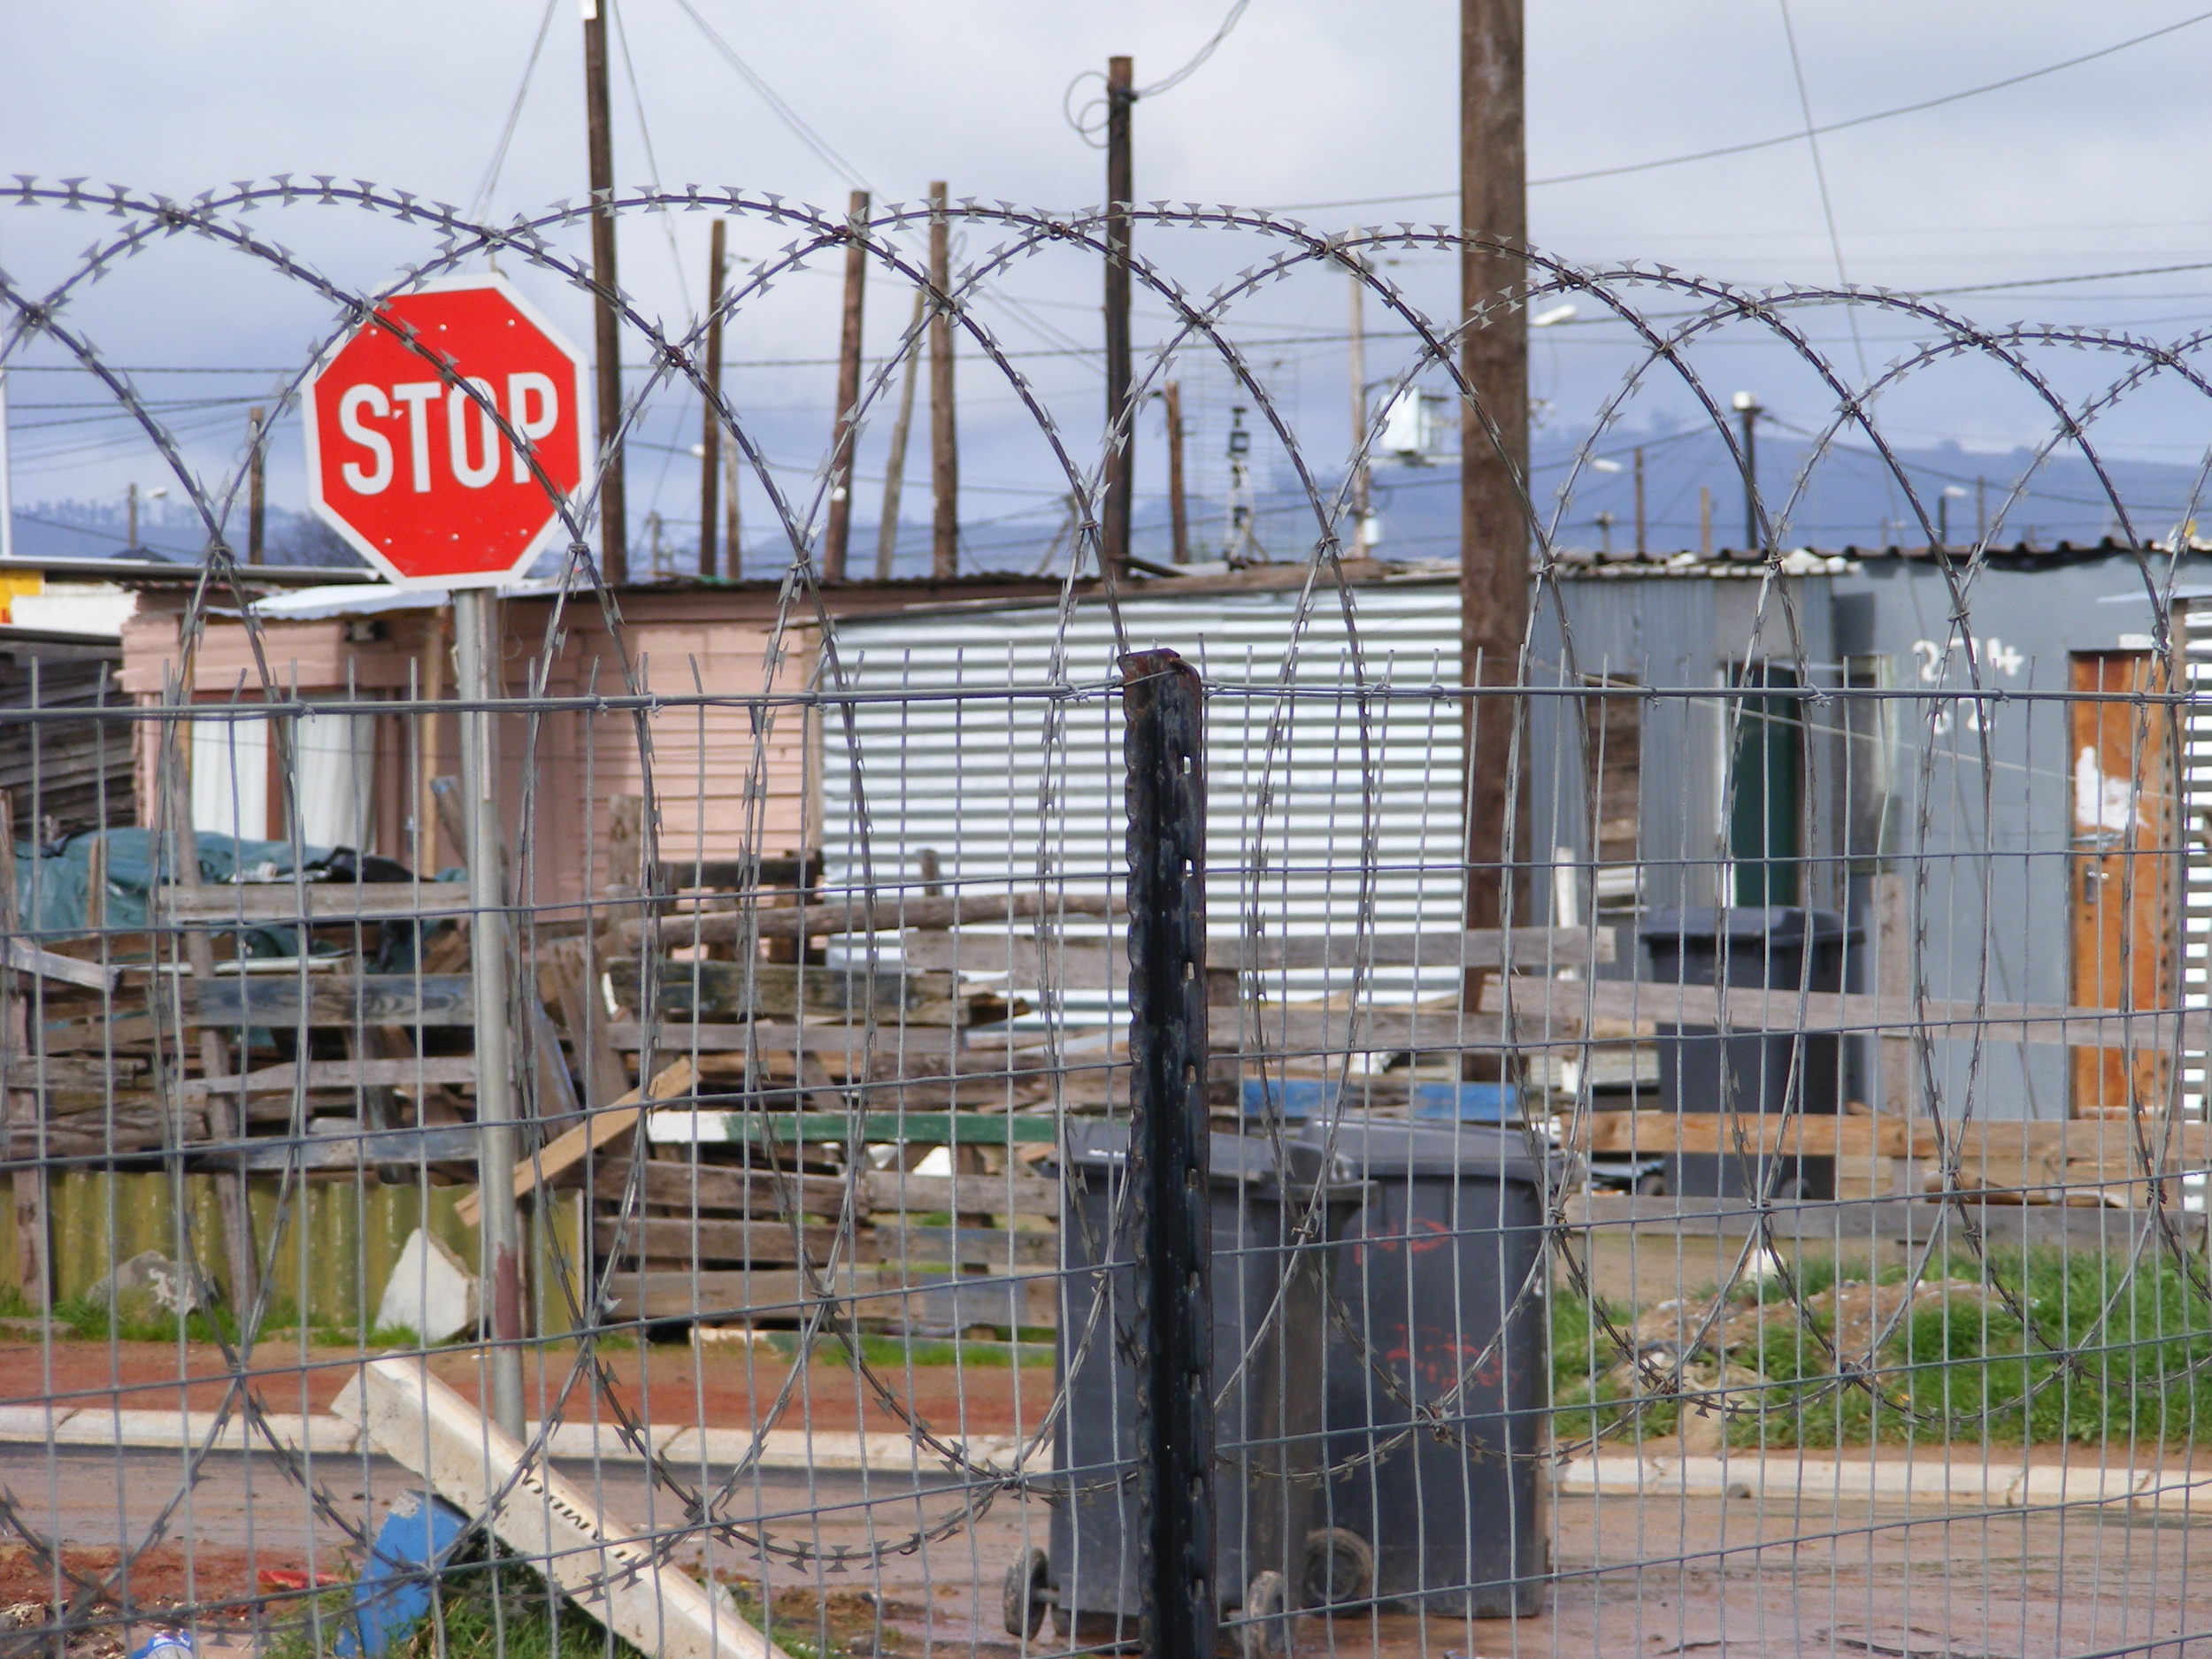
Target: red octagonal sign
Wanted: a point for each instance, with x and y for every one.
(417, 473)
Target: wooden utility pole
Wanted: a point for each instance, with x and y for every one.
(1363, 495)
(614, 537)
(944, 439)
(1494, 528)
(257, 484)
(710, 422)
(1116, 507)
(844, 440)
(1178, 503)
(895, 464)
(733, 521)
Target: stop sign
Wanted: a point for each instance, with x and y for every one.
(417, 473)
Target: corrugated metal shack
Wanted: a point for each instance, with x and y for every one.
(1634, 802)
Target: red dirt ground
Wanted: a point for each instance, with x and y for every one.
(665, 1385)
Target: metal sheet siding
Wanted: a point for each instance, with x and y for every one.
(1004, 798)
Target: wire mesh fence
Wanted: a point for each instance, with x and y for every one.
(1778, 1226)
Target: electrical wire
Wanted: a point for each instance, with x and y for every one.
(1087, 128)
(836, 163)
(480, 203)
(1719, 151)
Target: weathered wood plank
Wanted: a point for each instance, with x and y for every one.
(325, 1000)
(996, 1249)
(266, 903)
(1564, 1005)
(889, 1191)
(709, 1187)
(2110, 1143)
(740, 1292)
(776, 990)
(445, 1143)
(674, 1240)
(26, 957)
(682, 1037)
(681, 1124)
(574, 1145)
(407, 1071)
(864, 913)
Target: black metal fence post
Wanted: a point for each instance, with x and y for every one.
(1163, 715)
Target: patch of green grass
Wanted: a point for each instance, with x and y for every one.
(509, 1611)
(2139, 1373)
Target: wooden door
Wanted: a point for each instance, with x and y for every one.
(2125, 871)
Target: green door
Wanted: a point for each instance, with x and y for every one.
(1765, 789)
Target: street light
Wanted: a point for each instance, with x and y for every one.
(132, 496)
(1951, 493)
(1552, 316)
(1748, 411)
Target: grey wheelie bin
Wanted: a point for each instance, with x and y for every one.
(1441, 1308)
(1702, 1070)
(1267, 1321)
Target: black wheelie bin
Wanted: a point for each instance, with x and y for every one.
(1701, 1071)
(1267, 1319)
(1441, 1308)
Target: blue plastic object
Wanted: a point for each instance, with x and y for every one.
(392, 1595)
(167, 1644)
(1297, 1098)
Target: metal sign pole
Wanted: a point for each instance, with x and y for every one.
(475, 649)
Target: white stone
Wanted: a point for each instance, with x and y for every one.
(430, 1292)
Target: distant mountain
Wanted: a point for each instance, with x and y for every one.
(1850, 499)
(94, 530)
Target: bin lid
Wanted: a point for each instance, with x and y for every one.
(1367, 1146)
(1102, 1143)
(1781, 924)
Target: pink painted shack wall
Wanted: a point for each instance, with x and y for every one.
(561, 780)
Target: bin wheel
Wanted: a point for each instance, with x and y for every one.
(1028, 1593)
(1651, 1184)
(1265, 1631)
(1340, 1569)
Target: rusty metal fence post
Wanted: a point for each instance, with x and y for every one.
(1163, 710)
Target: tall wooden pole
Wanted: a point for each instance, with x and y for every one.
(1494, 529)
(1117, 507)
(895, 462)
(1363, 494)
(838, 533)
(257, 484)
(614, 537)
(944, 439)
(711, 423)
(1178, 502)
(732, 520)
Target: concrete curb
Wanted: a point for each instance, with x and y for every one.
(1834, 1482)
(323, 1435)
(1819, 1481)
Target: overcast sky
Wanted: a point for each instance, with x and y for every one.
(2088, 170)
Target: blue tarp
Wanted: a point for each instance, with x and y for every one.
(53, 884)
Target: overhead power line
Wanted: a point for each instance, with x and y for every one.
(1796, 137)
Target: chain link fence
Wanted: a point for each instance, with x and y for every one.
(1001, 1176)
